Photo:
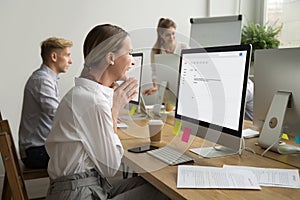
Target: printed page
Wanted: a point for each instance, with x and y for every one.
(213, 177)
(272, 176)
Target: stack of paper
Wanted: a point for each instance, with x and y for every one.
(235, 177)
(272, 176)
(213, 177)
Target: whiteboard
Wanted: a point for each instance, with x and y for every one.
(216, 31)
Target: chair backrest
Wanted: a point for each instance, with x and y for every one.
(4, 127)
(23, 172)
(27, 174)
(12, 168)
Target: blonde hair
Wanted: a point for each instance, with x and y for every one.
(53, 43)
(101, 40)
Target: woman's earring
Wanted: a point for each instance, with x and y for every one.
(112, 62)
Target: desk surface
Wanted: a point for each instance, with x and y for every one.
(291, 159)
(164, 177)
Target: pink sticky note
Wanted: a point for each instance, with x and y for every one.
(186, 134)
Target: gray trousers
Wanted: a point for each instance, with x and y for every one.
(90, 185)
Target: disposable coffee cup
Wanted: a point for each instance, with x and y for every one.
(169, 107)
(155, 126)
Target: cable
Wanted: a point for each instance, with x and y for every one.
(246, 148)
(277, 141)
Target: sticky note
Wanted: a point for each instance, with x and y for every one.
(297, 138)
(177, 127)
(132, 110)
(285, 136)
(186, 134)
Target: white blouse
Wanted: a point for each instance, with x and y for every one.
(82, 135)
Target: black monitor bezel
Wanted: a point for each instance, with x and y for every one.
(247, 48)
(138, 54)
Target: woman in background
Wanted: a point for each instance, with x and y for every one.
(165, 44)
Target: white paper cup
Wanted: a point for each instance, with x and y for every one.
(155, 127)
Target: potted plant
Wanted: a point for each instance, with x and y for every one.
(260, 36)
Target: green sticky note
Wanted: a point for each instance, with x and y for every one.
(132, 110)
(285, 136)
(177, 127)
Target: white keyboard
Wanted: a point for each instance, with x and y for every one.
(170, 156)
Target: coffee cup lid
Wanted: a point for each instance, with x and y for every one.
(155, 122)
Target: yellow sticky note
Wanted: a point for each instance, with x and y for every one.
(285, 136)
(132, 110)
(177, 127)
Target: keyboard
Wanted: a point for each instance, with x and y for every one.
(170, 156)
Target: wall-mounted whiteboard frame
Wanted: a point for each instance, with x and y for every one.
(216, 31)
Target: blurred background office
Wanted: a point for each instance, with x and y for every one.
(25, 23)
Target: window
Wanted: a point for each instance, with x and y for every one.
(285, 12)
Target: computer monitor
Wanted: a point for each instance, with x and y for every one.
(211, 96)
(135, 104)
(277, 97)
(167, 67)
(136, 72)
(215, 31)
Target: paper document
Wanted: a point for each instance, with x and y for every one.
(249, 133)
(122, 125)
(272, 176)
(214, 177)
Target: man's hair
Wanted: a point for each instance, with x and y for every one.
(53, 43)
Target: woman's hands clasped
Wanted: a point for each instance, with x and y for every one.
(123, 94)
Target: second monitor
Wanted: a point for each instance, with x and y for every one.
(167, 67)
(277, 97)
(134, 104)
(136, 72)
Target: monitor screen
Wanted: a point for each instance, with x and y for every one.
(167, 67)
(276, 73)
(211, 92)
(136, 72)
(216, 31)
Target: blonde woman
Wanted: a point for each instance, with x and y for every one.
(83, 145)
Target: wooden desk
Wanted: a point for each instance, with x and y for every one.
(291, 159)
(139, 128)
(164, 177)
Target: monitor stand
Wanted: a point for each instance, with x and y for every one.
(271, 132)
(213, 152)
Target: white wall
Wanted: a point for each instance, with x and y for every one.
(24, 24)
(251, 9)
